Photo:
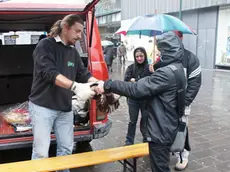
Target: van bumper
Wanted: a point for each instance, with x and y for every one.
(101, 130)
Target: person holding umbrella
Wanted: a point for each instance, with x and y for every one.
(193, 74)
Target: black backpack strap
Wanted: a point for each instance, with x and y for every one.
(180, 91)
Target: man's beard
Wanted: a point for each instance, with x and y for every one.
(73, 42)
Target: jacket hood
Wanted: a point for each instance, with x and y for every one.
(171, 48)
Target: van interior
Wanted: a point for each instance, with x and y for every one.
(16, 61)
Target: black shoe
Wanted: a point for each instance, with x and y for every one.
(128, 143)
(144, 140)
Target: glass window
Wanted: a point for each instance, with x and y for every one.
(34, 39)
(21, 37)
(9, 41)
(223, 37)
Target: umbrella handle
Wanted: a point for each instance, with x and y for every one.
(154, 50)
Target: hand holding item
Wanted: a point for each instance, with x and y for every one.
(99, 89)
(83, 91)
(106, 102)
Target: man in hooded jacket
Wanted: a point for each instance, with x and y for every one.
(160, 90)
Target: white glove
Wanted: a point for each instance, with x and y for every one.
(83, 91)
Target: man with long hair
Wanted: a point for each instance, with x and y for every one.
(58, 73)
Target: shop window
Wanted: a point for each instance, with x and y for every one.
(223, 38)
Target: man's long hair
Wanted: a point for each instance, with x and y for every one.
(70, 20)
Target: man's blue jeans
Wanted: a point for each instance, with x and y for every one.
(43, 121)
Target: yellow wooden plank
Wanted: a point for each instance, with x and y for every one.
(77, 160)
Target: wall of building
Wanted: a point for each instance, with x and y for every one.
(105, 7)
(108, 14)
(204, 44)
(132, 8)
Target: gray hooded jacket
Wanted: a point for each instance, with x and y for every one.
(160, 91)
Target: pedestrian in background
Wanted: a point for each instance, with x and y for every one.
(122, 52)
(109, 54)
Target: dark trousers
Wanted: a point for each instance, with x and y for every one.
(159, 157)
(109, 67)
(120, 58)
(134, 108)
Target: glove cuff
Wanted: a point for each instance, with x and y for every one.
(73, 86)
(107, 86)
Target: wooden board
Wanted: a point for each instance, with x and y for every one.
(78, 160)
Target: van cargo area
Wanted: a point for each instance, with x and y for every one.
(16, 65)
(16, 75)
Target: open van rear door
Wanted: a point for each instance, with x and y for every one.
(48, 6)
(90, 5)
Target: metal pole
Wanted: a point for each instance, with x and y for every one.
(180, 12)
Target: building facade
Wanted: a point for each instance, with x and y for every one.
(108, 14)
(209, 18)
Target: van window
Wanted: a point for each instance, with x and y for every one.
(23, 37)
(32, 38)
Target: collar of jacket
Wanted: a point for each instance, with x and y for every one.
(58, 39)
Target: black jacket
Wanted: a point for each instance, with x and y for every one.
(52, 58)
(193, 72)
(109, 55)
(160, 91)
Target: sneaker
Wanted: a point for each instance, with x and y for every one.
(181, 166)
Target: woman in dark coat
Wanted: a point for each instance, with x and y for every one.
(139, 69)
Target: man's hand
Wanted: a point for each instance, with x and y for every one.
(83, 91)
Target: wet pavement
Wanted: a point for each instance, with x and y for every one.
(209, 126)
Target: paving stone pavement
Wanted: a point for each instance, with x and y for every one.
(209, 127)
